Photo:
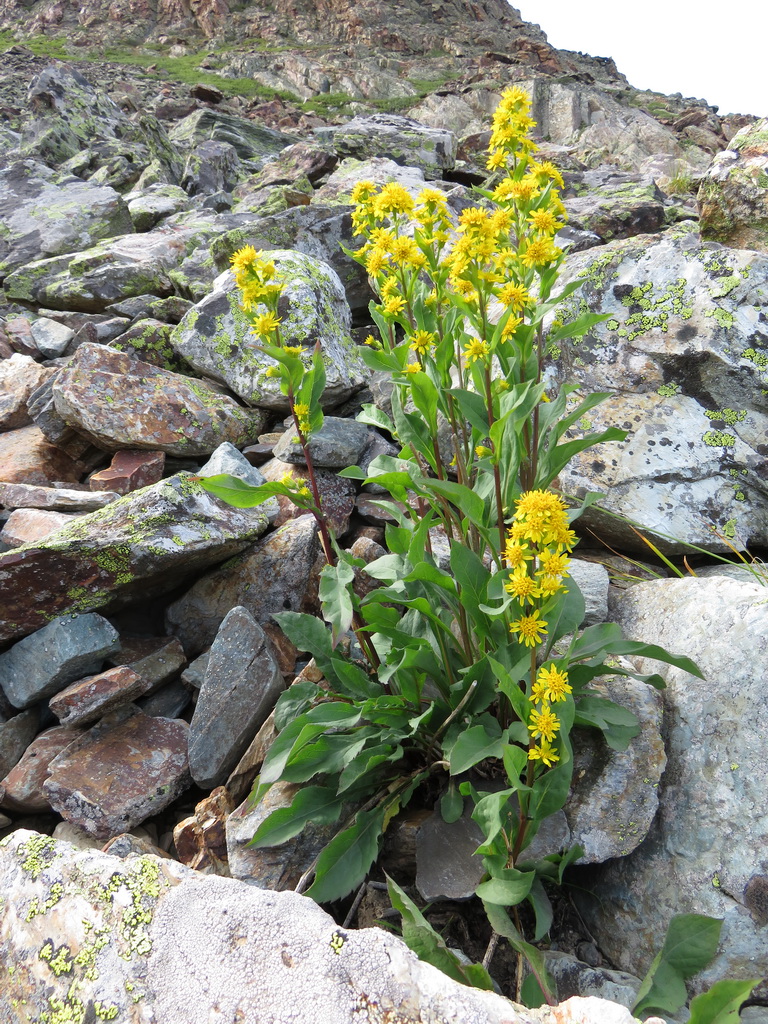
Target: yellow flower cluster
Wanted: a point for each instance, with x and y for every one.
(256, 277)
(538, 543)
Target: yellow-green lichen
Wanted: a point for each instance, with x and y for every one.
(729, 416)
(718, 439)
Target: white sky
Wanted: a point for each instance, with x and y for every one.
(712, 51)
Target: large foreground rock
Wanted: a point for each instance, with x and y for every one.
(707, 850)
(139, 545)
(148, 941)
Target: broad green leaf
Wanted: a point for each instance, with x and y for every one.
(293, 737)
(305, 632)
(472, 746)
(469, 503)
(576, 328)
(373, 416)
(429, 945)
(508, 890)
(451, 804)
(566, 615)
(499, 920)
(327, 755)
(722, 1003)
(294, 701)
(237, 492)
(319, 804)
(346, 860)
(335, 598)
(531, 994)
(542, 909)
(689, 946)
(491, 812)
(619, 725)
(365, 764)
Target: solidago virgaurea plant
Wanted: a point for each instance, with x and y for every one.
(477, 668)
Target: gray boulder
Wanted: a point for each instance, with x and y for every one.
(734, 192)
(706, 852)
(216, 338)
(44, 215)
(400, 138)
(683, 357)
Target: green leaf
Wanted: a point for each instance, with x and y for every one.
(500, 922)
(451, 804)
(319, 804)
(576, 328)
(306, 632)
(689, 946)
(722, 1003)
(327, 755)
(237, 492)
(619, 725)
(531, 994)
(470, 504)
(491, 813)
(472, 746)
(335, 598)
(542, 909)
(346, 860)
(429, 945)
(509, 889)
(294, 701)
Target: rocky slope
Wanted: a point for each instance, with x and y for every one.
(133, 601)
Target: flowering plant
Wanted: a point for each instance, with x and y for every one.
(474, 665)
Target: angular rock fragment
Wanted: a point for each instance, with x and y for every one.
(241, 686)
(27, 525)
(128, 471)
(337, 445)
(28, 457)
(19, 377)
(66, 649)
(734, 193)
(140, 545)
(336, 494)
(94, 696)
(155, 658)
(279, 573)
(400, 138)
(123, 770)
(53, 499)
(120, 403)
(16, 733)
(24, 784)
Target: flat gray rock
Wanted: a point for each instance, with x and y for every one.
(67, 649)
(241, 686)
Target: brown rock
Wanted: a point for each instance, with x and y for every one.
(53, 498)
(141, 545)
(118, 402)
(26, 456)
(201, 840)
(19, 334)
(24, 784)
(27, 525)
(88, 699)
(123, 770)
(157, 659)
(129, 471)
(19, 377)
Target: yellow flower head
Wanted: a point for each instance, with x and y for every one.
(552, 683)
(545, 753)
(529, 629)
(540, 251)
(393, 199)
(476, 349)
(544, 723)
(362, 191)
(515, 295)
(293, 350)
(522, 586)
(243, 258)
(394, 305)
(266, 324)
(422, 342)
(414, 367)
